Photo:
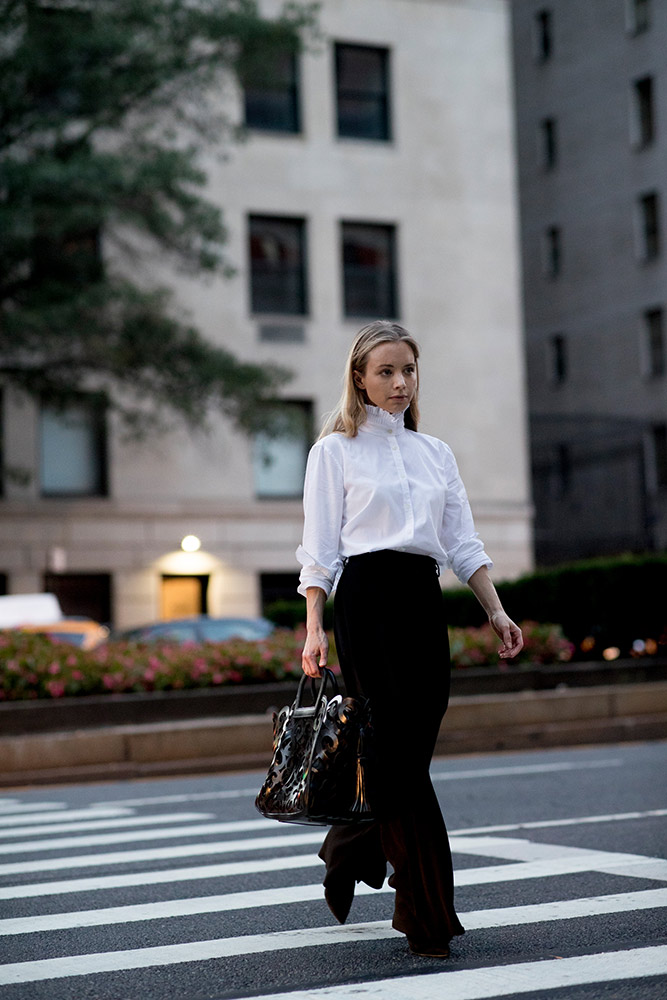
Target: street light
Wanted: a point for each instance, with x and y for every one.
(191, 544)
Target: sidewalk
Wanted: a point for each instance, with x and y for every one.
(474, 723)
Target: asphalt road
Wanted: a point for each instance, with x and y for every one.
(175, 889)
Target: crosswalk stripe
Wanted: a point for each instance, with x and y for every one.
(14, 806)
(224, 870)
(96, 824)
(166, 833)
(62, 815)
(451, 775)
(500, 980)
(159, 853)
(500, 917)
(198, 951)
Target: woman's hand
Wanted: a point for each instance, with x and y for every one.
(509, 632)
(315, 652)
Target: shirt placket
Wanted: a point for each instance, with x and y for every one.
(408, 512)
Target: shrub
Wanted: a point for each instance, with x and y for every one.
(35, 666)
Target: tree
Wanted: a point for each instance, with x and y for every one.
(105, 106)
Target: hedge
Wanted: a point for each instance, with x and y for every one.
(600, 603)
(34, 666)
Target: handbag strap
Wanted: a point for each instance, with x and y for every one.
(317, 691)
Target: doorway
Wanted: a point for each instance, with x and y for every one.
(183, 596)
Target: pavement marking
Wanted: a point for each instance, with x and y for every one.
(500, 980)
(491, 982)
(14, 806)
(574, 821)
(97, 824)
(490, 772)
(160, 853)
(97, 840)
(233, 901)
(62, 815)
(229, 868)
(532, 860)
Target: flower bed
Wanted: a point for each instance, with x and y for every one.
(34, 666)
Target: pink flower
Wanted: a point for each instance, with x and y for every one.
(54, 668)
(149, 675)
(217, 678)
(77, 675)
(56, 689)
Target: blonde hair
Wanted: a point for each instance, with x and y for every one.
(350, 413)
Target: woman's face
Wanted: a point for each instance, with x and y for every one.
(390, 379)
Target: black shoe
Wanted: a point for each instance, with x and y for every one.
(425, 950)
(339, 897)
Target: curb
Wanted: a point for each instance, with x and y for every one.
(474, 723)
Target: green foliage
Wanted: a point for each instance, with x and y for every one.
(104, 111)
(34, 666)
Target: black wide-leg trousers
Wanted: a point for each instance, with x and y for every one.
(393, 648)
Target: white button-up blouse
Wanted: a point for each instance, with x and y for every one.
(386, 488)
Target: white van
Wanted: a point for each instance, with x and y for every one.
(29, 609)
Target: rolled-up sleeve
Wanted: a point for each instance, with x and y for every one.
(323, 496)
(464, 547)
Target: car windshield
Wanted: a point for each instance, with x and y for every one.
(217, 631)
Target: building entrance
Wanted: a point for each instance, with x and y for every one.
(183, 596)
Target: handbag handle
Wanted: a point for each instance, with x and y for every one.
(327, 678)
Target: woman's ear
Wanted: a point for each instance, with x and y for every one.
(358, 379)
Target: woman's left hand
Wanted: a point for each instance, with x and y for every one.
(509, 632)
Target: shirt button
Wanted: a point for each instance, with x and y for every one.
(390, 432)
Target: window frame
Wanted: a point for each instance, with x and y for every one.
(643, 121)
(649, 221)
(96, 405)
(382, 98)
(304, 407)
(393, 299)
(290, 89)
(653, 347)
(300, 269)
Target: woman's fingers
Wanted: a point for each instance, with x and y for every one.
(315, 654)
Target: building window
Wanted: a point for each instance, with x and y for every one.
(563, 469)
(552, 251)
(558, 358)
(276, 587)
(86, 594)
(643, 124)
(362, 92)
(659, 441)
(543, 28)
(73, 449)
(654, 342)
(277, 265)
(279, 458)
(369, 270)
(649, 226)
(548, 143)
(271, 99)
(638, 15)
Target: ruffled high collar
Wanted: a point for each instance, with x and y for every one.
(382, 421)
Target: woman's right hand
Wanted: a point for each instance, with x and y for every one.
(315, 652)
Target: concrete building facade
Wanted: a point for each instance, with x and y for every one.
(387, 189)
(591, 99)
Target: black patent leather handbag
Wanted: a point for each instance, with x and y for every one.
(322, 759)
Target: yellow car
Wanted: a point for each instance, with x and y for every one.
(82, 632)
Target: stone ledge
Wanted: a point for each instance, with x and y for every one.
(473, 724)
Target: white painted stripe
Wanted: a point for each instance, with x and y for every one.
(500, 980)
(66, 815)
(160, 853)
(14, 806)
(167, 833)
(453, 775)
(495, 772)
(575, 821)
(98, 824)
(648, 962)
(500, 917)
(207, 872)
(568, 866)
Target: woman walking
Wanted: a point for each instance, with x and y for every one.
(385, 508)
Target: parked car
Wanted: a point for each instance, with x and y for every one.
(82, 632)
(42, 613)
(199, 628)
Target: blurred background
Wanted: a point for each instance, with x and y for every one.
(201, 203)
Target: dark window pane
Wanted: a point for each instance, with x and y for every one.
(650, 223)
(73, 449)
(655, 341)
(544, 35)
(86, 594)
(549, 143)
(272, 102)
(660, 453)
(645, 118)
(369, 270)
(277, 265)
(558, 358)
(362, 92)
(553, 253)
(279, 458)
(640, 15)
